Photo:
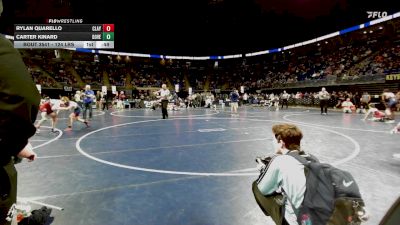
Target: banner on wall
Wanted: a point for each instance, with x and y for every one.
(39, 87)
(176, 88)
(242, 89)
(104, 89)
(190, 91)
(114, 89)
(67, 88)
(393, 77)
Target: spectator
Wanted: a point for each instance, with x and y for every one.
(19, 102)
(347, 106)
(234, 97)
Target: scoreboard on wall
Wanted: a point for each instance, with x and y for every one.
(53, 36)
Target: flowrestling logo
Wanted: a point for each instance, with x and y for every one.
(376, 14)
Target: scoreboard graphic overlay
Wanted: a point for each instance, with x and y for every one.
(53, 36)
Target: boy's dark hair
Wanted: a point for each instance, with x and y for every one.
(290, 134)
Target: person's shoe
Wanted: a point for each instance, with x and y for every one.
(53, 131)
(68, 129)
(37, 130)
(394, 131)
(389, 121)
(86, 123)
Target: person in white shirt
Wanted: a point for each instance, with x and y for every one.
(76, 111)
(208, 101)
(323, 96)
(78, 98)
(347, 106)
(213, 103)
(275, 101)
(285, 97)
(285, 174)
(164, 97)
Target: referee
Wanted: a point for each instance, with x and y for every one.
(164, 95)
(323, 96)
(285, 97)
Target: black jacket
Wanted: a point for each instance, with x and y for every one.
(19, 101)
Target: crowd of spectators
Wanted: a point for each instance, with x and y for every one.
(339, 60)
(38, 75)
(89, 73)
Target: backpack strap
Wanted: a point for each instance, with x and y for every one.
(305, 160)
(301, 159)
(264, 170)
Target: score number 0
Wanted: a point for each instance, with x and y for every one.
(108, 27)
(108, 34)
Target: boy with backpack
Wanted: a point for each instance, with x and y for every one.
(285, 173)
(295, 189)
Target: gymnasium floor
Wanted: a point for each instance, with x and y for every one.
(133, 168)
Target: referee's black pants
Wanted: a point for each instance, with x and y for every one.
(284, 102)
(323, 103)
(164, 105)
(105, 104)
(86, 107)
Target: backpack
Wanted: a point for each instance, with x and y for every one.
(332, 196)
(272, 205)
